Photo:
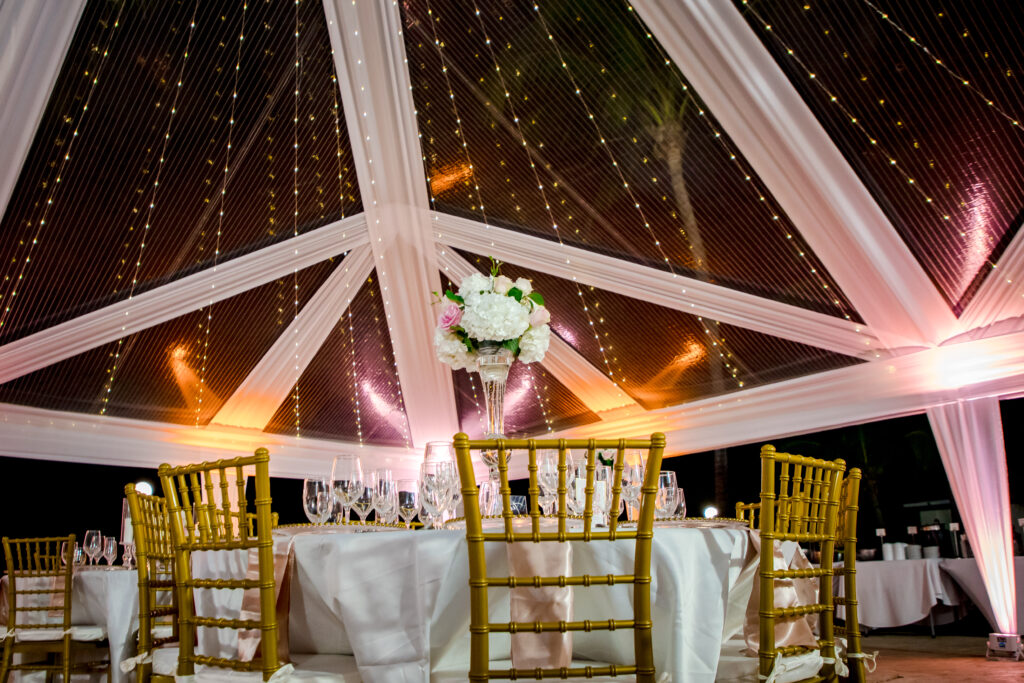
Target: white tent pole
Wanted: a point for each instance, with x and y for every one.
(257, 399)
(177, 298)
(369, 58)
(35, 35)
(782, 140)
(659, 287)
(970, 439)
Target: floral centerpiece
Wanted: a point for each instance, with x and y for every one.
(486, 326)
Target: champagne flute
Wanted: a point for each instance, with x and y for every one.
(347, 481)
(317, 499)
(93, 544)
(666, 498)
(109, 550)
(408, 499)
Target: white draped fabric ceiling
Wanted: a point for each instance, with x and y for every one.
(901, 346)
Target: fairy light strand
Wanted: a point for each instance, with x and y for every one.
(120, 349)
(295, 217)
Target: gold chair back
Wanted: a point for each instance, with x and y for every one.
(799, 502)
(747, 512)
(847, 534)
(481, 627)
(154, 552)
(203, 516)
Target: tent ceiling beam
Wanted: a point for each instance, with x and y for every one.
(685, 294)
(36, 39)
(785, 144)
(597, 391)
(1001, 295)
(257, 399)
(103, 440)
(370, 61)
(177, 298)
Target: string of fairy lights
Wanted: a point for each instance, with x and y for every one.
(11, 283)
(161, 162)
(928, 199)
(295, 217)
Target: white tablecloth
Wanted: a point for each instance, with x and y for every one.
(968, 577)
(399, 601)
(107, 598)
(898, 592)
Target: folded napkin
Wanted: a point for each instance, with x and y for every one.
(549, 603)
(787, 593)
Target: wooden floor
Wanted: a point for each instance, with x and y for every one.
(945, 658)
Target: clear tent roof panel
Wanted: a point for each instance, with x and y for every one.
(620, 155)
(924, 102)
(146, 165)
(350, 390)
(180, 371)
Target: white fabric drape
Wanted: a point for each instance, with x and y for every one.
(35, 35)
(970, 439)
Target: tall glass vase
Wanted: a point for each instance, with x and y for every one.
(493, 363)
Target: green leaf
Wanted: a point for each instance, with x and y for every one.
(454, 297)
(495, 266)
(512, 345)
(536, 298)
(516, 294)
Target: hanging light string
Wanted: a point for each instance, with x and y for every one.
(615, 377)
(295, 215)
(11, 284)
(337, 137)
(749, 178)
(356, 410)
(855, 121)
(220, 215)
(120, 349)
(532, 379)
(1013, 120)
(718, 340)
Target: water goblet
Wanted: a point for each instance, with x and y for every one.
(666, 498)
(383, 488)
(317, 499)
(363, 503)
(93, 545)
(408, 499)
(347, 481)
(109, 550)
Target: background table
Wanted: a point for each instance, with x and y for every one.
(399, 601)
(968, 577)
(899, 592)
(107, 598)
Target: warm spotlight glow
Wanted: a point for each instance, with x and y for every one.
(710, 511)
(144, 487)
(447, 177)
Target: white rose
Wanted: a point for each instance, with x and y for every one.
(524, 285)
(494, 317)
(474, 284)
(502, 284)
(452, 352)
(534, 344)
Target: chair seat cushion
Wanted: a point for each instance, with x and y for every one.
(737, 665)
(165, 660)
(309, 668)
(85, 633)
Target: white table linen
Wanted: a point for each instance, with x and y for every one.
(967, 575)
(399, 601)
(898, 592)
(107, 598)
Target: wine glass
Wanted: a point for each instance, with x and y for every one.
(488, 495)
(438, 450)
(408, 499)
(109, 550)
(384, 493)
(93, 544)
(317, 499)
(438, 479)
(347, 481)
(75, 552)
(632, 482)
(363, 502)
(666, 498)
(680, 502)
(128, 557)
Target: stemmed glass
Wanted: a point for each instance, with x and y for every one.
(439, 486)
(632, 482)
(667, 497)
(680, 502)
(385, 495)
(109, 550)
(76, 554)
(363, 502)
(93, 545)
(347, 481)
(408, 499)
(128, 557)
(317, 499)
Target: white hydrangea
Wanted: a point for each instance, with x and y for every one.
(494, 317)
(534, 344)
(474, 284)
(451, 351)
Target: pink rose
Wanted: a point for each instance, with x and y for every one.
(450, 316)
(540, 316)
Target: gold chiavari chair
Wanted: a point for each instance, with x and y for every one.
(847, 534)
(481, 627)
(203, 517)
(747, 512)
(39, 580)
(800, 500)
(158, 601)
